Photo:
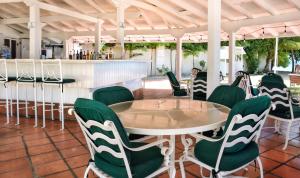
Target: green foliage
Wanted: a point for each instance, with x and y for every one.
(163, 70)
(202, 64)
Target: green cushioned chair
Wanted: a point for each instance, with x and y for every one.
(271, 77)
(285, 111)
(199, 86)
(113, 95)
(243, 81)
(177, 90)
(112, 153)
(238, 146)
(227, 95)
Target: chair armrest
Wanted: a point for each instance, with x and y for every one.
(166, 151)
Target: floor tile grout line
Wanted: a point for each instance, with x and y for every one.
(62, 157)
(29, 158)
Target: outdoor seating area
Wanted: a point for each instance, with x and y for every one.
(149, 88)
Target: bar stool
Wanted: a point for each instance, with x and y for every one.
(4, 79)
(52, 76)
(26, 75)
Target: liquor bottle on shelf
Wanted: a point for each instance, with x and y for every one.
(88, 55)
(80, 54)
(70, 55)
(77, 55)
(84, 56)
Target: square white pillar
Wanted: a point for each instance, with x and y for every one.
(35, 32)
(214, 30)
(178, 57)
(232, 55)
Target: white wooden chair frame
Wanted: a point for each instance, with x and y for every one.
(245, 85)
(4, 81)
(198, 83)
(46, 74)
(109, 126)
(188, 154)
(277, 119)
(26, 78)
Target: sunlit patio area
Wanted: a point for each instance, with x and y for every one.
(149, 88)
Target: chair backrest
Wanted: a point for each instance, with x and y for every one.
(3, 71)
(25, 70)
(243, 125)
(243, 82)
(279, 95)
(103, 131)
(195, 71)
(173, 81)
(199, 86)
(112, 95)
(227, 95)
(271, 77)
(52, 71)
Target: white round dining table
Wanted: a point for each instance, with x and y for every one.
(171, 117)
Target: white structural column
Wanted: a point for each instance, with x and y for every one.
(35, 31)
(276, 55)
(98, 37)
(121, 26)
(214, 30)
(231, 72)
(178, 59)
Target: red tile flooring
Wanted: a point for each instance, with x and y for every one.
(35, 152)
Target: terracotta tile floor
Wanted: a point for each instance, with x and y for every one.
(35, 152)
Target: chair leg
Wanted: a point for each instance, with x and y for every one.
(52, 114)
(11, 103)
(18, 114)
(26, 102)
(62, 108)
(261, 169)
(287, 135)
(44, 108)
(35, 106)
(86, 173)
(181, 165)
(7, 106)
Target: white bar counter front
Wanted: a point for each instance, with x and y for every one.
(89, 75)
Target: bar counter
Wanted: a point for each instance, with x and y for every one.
(89, 75)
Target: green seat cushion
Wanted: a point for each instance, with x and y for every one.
(227, 95)
(255, 91)
(207, 152)
(93, 110)
(142, 164)
(285, 113)
(23, 79)
(112, 95)
(65, 80)
(181, 92)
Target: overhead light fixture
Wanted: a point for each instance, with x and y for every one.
(244, 37)
(263, 33)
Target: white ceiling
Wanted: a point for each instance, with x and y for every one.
(160, 18)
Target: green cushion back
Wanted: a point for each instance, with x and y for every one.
(227, 95)
(200, 95)
(270, 85)
(112, 95)
(173, 81)
(93, 110)
(256, 106)
(271, 77)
